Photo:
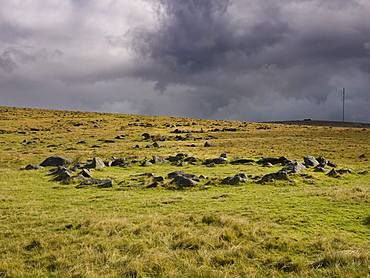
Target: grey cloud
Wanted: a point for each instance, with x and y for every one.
(6, 62)
(227, 59)
(194, 36)
(213, 49)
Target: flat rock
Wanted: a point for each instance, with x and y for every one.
(280, 175)
(56, 161)
(242, 161)
(219, 160)
(33, 167)
(273, 160)
(101, 183)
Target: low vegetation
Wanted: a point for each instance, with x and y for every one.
(310, 225)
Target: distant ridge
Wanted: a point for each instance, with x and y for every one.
(323, 123)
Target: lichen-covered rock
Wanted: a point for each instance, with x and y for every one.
(295, 167)
(97, 163)
(310, 161)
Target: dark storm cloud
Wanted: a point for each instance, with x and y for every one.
(230, 51)
(255, 60)
(195, 36)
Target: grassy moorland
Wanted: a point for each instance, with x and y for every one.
(311, 225)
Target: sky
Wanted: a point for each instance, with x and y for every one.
(243, 60)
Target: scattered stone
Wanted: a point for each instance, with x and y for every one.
(155, 145)
(219, 160)
(322, 161)
(364, 172)
(51, 146)
(242, 161)
(158, 160)
(97, 163)
(321, 169)
(129, 185)
(126, 164)
(33, 167)
(268, 164)
(109, 141)
(101, 183)
(291, 181)
(207, 144)
(239, 178)
(332, 164)
(56, 161)
(280, 175)
(295, 167)
(192, 159)
(310, 161)
(143, 175)
(173, 158)
(120, 136)
(63, 174)
(362, 156)
(182, 174)
(224, 155)
(222, 196)
(273, 160)
(344, 171)
(81, 142)
(158, 179)
(95, 146)
(146, 163)
(8, 149)
(183, 181)
(333, 173)
(146, 136)
(203, 177)
(117, 161)
(153, 185)
(86, 173)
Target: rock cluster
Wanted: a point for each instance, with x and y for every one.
(67, 171)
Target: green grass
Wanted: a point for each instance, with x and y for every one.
(314, 227)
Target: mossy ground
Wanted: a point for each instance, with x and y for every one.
(312, 227)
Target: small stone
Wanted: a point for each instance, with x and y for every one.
(86, 173)
(333, 173)
(33, 167)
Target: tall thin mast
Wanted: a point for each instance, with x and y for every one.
(344, 96)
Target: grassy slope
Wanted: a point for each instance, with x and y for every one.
(316, 227)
